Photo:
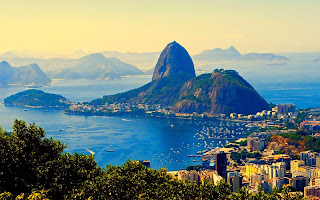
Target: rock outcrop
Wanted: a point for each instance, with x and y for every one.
(173, 59)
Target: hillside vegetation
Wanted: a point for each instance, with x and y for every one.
(293, 143)
(35, 167)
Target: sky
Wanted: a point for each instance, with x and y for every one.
(64, 26)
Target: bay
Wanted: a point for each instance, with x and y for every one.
(165, 142)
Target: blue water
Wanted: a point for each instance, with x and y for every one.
(153, 139)
(157, 139)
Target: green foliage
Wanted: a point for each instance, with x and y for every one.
(301, 117)
(295, 157)
(194, 167)
(25, 156)
(243, 143)
(31, 162)
(243, 155)
(231, 146)
(6, 196)
(162, 91)
(34, 167)
(290, 125)
(300, 139)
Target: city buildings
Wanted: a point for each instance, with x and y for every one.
(299, 182)
(310, 158)
(285, 108)
(235, 180)
(255, 143)
(310, 125)
(221, 164)
(196, 177)
(312, 191)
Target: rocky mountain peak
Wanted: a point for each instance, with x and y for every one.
(173, 59)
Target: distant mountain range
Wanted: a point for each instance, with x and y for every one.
(49, 66)
(149, 60)
(144, 61)
(174, 84)
(141, 60)
(232, 54)
(218, 54)
(25, 75)
(96, 66)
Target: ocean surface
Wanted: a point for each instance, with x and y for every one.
(165, 142)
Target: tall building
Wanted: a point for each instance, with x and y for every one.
(235, 180)
(310, 125)
(286, 108)
(278, 158)
(299, 182)
(194, 177)
(310, 158)
(209, 175)
(295, 164)
(266, 176)
(265, 185)
(255, 143)
(257, 178)
(311, 172)
(312, 191)
(221, 164)
(315, 181)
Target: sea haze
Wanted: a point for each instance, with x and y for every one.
(165, 142)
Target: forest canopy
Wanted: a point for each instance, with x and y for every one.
(35, 167)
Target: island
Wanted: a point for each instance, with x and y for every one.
(37, 99)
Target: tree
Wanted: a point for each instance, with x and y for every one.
(34, 167)
(29, 162)
(25, 157)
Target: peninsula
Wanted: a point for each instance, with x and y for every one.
(176, 89)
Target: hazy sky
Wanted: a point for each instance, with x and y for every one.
(63, 26)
